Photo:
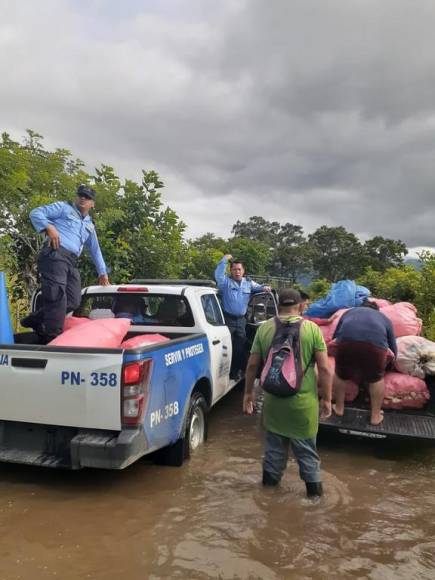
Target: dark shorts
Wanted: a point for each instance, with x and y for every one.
(360, 362)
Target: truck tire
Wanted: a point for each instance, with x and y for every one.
(196, 424)
(195, 433)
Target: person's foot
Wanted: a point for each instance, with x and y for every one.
(314, 489)
(377, 418)
(338, 409)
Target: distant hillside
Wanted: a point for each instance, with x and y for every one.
(415, 262)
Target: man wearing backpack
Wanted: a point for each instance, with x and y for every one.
(292, 420)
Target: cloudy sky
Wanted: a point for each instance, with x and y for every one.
(308, 111)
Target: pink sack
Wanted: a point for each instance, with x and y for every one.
(72, 321)
(403, 316)
(318, 321)
(404, 392)
(329, 329)
(351, 389)
(381, 302)
(143, 340)
(105, 332)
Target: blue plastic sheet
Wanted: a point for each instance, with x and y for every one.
(343, 294)
(6, 332)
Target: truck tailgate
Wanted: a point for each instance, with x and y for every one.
(59, 386)
(409, 425)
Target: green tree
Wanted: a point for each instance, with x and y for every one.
(257, 229)
(31, 176)
(395, 284)
(139, 236)
(318, 289)
(203, 255)
(336, 254)
(289, 256)
(255, 255)
(383, 253)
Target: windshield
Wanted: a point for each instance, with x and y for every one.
(142, 309)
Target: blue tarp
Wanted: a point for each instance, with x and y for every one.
(343, 294)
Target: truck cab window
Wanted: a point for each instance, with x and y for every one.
(211, 309)
(142, 309)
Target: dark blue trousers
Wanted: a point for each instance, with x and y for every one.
(237, 327)
(60, 288)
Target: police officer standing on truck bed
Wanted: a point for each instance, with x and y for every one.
(236, 292)
(68, 227)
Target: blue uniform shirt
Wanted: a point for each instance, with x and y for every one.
(235, 295)
(75, 230)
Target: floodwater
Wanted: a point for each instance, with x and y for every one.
(212, 519)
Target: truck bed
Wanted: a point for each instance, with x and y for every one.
(403, 424)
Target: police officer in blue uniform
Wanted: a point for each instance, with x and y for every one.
(235, 291)
(68, 228)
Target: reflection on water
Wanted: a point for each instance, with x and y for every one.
(212, 519)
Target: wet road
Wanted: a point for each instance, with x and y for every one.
(212, 519)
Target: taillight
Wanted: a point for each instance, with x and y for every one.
(135, 381)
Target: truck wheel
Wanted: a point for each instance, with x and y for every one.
(194, 435)
(196, 425)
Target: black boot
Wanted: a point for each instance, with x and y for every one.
(28, 321)
(314, 489)
(269, 480)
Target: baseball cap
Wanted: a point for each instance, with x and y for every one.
(289, 297)
(85, 191)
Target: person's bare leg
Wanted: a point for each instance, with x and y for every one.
(339, 390)
(376, 399)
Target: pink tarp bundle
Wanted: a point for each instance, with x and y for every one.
(73, 321)
(143, 340)
(102, 333)
(328, 325)
(415, 356)
(403, 316)
(404, 392)
(381, 302)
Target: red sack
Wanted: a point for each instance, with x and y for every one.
(105, 332)
(73, 321)
(404, 392)
(403, 316)
(143, 340)
(351, 389)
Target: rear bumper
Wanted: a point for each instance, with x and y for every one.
(107, 450)
(69, 448)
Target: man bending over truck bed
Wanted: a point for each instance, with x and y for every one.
(363, 337)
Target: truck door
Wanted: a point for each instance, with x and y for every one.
(220, 345)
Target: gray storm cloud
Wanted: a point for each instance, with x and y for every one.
(303, 111)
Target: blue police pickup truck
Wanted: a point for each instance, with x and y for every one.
(105, 408)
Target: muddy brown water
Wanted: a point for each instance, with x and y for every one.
(212, 519)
